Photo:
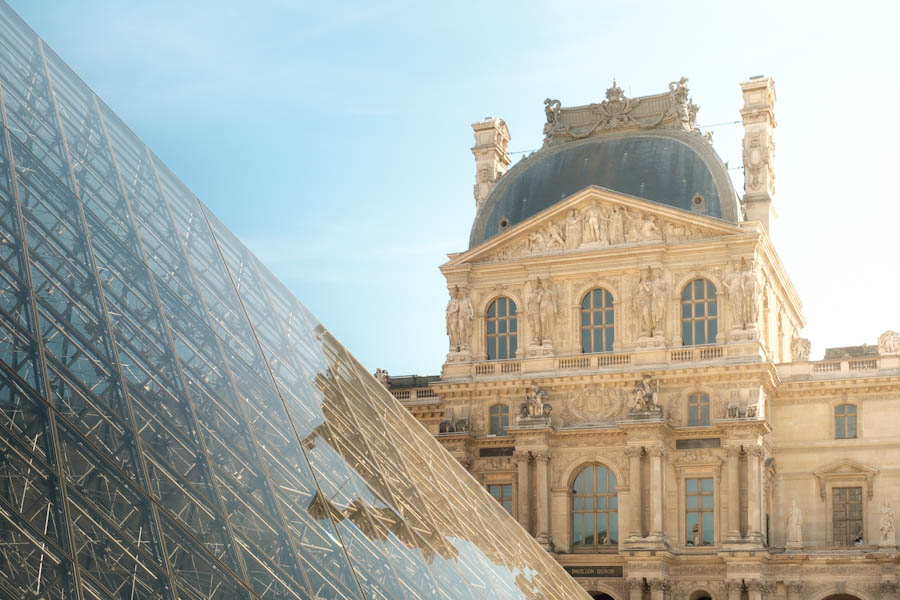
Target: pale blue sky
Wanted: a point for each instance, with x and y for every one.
(334, 140)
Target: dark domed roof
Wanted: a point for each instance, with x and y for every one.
(666, 166)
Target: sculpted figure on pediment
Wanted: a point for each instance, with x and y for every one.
(617, 226)
(595, 226)
(556, 237)
(573, 230)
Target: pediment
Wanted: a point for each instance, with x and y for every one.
(846, 469)
(596, 219)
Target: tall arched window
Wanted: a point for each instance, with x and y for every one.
(845, 421)
(699, 313)
(502, 329)
(597, 321)
(595, 508)
(499, 419)
(698, 409)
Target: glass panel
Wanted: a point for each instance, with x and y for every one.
(699, 332)
(501, 326)
(501, 307)
(700, 310)
(693, 529)
(691, 485)
(691, 502)
(577, 534)
(686, 338)
(512, 308)
(699, 289)
(492, 310)
(707, 529)
(707, 485)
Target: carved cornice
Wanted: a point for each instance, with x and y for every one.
(846, 469)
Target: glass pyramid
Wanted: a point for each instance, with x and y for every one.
(173, 422)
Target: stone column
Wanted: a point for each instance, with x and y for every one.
(659, 588)
(523, 490)
(657, 489)
(754, 495)
(635, 526)
(635, 588)
(755, 590)
(733, 454)
(542, 492)
(733, 590)
(794, 590)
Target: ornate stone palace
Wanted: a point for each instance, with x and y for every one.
(627, 375)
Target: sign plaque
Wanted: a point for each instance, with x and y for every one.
(594, 571)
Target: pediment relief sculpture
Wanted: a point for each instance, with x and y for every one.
(596, 225)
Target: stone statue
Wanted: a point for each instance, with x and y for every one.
(741, 285)
(650, 231)
(800, 349)
(546, 299)
(889, 342)
(453, 319)
(535, 404)
(593, 218)
(573, 230)
(645, 397)
(381, 375)
(633, 227)
(887, 525)
(643, 305)
(465, 320)
(794, 526)
(659, 290)
(533, 307)
(617, 226)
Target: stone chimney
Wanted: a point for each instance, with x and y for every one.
(491, 159)
(758, 116)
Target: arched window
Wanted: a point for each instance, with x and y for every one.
(699, 313)
(597, 321)
(845, 421)
(698, 409)
(502, 329)
(499, 419)
(595, 508)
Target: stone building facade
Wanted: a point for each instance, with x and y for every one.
(627, 375)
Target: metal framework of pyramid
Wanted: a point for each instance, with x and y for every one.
(173, 422)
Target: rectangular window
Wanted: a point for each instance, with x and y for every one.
(846, 515)
(845, 422)
(698, 409)
(502, 492)
(698, 502)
